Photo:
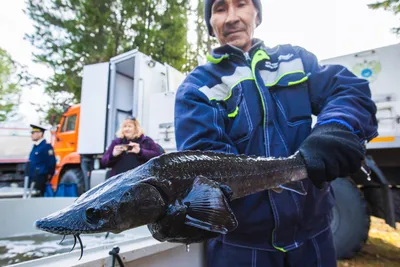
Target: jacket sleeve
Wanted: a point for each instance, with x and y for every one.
(337, 95)
(150, 150)
(108, 160)
(51, 161)
(198, 124)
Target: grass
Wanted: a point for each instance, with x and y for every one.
(382, 248)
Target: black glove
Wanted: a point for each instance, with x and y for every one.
(331, 151)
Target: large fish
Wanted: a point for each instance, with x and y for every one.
(182, 196)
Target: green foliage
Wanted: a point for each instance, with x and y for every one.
(72, 33)
(161, 31)
(389, 5)
(58, 104)
(12, 77)
(202, 43)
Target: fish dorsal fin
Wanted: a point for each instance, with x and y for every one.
(208, 207)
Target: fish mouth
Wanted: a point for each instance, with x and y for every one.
(55, 227)
(70, 221)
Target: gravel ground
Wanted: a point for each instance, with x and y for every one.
(382, 248)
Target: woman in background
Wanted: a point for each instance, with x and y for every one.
(130, 149)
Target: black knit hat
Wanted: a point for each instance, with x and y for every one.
(207, 12)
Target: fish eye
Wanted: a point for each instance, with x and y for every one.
(93, 215)
(106, 210)
(129, 193)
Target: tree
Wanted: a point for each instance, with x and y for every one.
(10, 86)
(72, 33)
(203, 42)
(391, 5)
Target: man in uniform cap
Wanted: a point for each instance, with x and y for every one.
(42, 159)
(256, 100)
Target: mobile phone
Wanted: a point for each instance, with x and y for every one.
(124, 146)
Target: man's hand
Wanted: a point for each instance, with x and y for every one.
(331, 151)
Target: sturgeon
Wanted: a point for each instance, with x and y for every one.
(181, 196)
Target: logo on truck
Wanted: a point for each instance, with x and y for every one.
(368, 70)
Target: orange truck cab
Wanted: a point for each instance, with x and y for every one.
(65, 141)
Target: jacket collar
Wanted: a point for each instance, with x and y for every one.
(224, 52)
(36, 143)
(136, 139)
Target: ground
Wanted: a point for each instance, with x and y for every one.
(382, 248)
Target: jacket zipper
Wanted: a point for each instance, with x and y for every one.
(253, 70)
(247, 57)
(249, 62)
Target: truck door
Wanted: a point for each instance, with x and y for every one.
(121, 91)
(134, 78)
(93, 109)
(67, 134)
(161, 111)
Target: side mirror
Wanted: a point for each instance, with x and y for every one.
(52, 119)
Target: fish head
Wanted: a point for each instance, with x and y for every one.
(114, 207)
(139, 205)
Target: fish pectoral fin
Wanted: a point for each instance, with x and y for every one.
(172, 228)
(296, 186)
(208, 207)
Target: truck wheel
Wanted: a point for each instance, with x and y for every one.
(74, 176)
(351, 219)
(396, 201)
(373, 195)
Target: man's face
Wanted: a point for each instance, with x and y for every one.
(234, 21)
(36, 135)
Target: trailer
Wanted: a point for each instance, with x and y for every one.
(16, 145)
(356, 197)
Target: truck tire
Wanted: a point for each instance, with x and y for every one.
(396, 202)
(74, 176)
(373, 195)
(351, 219)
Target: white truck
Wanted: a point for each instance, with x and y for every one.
(129, 84)
(358, 198)
(134, 84)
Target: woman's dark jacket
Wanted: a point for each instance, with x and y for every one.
(127, 161)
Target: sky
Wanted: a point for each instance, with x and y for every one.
(326, 28)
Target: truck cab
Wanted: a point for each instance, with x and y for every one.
(65, 141)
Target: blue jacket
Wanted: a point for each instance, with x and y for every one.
(42, 161)
(260, 103)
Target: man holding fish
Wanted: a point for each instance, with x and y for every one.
(251, 175)
(255, 100)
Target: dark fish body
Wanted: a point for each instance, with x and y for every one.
(181, 196)
(244, 175)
